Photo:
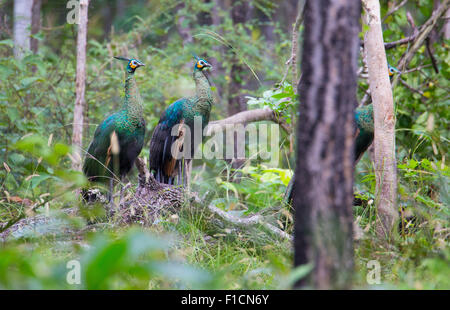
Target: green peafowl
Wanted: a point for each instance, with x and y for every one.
(165, 165)
(364, 134)
(119, 139)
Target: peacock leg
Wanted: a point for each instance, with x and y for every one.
(110, 198)
(188, 168)
(123, 179)
(180, 172)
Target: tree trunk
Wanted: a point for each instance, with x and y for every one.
(236, 102)
(384, 120)
(35, 24)
(22, 24)
(183, 27)
(80, 103)
(205, 18)
(446, 28)
(325, 146)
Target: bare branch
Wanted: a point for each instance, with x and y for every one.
(421, 37)
(413, 89)
(292, 61)
(249, 117)
(430, 53)
(394, 9)
(247, 223)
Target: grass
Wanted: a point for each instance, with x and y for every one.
(181, 252)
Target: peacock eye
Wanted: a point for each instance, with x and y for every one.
(202, 63)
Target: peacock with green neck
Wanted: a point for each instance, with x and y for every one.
(119, 139)
(163, 164)
(363, 137)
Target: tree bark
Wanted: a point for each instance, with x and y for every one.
(22, 24)
(325, 146)
(384, 121)
(35, 24)
(236, 102)
(80, 102)
(446, 28)
(183, 27)
(246, 117)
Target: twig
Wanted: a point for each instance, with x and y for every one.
(292, 61)
(413, 89)
(430, 53)
(416, 69)
(389, 45)
(406, 40)
(394, 9)
(423, 34)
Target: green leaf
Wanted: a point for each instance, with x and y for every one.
(7, 42)
(299, 273)
(26, 82)
(13, 114)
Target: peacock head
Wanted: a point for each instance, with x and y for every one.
(392, 70)
(133, 64)
(201, 64)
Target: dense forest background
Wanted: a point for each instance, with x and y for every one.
(248, 43)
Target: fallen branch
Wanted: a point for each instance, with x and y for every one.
(151, 202)
(248, 117)
(255, 221)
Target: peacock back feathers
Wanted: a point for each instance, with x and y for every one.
(162, 162)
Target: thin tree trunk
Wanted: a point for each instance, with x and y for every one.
(325, 145)
(183, 27)
(205, 18)
(121, 6)
(384, 120)
(80, 103)
(446, 27)
(236, 102)
(216, 21)
(22, 24)
(35, 24)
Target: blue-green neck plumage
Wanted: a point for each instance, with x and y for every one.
(128, 127)
(365, 132)
(204, 97)
(133, 102)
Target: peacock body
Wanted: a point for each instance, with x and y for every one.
(119, 138)
(363, 137)
(163, 164)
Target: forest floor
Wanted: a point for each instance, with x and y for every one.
(190, 249)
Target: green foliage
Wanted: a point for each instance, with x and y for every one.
(282, 100)
(123, 260)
